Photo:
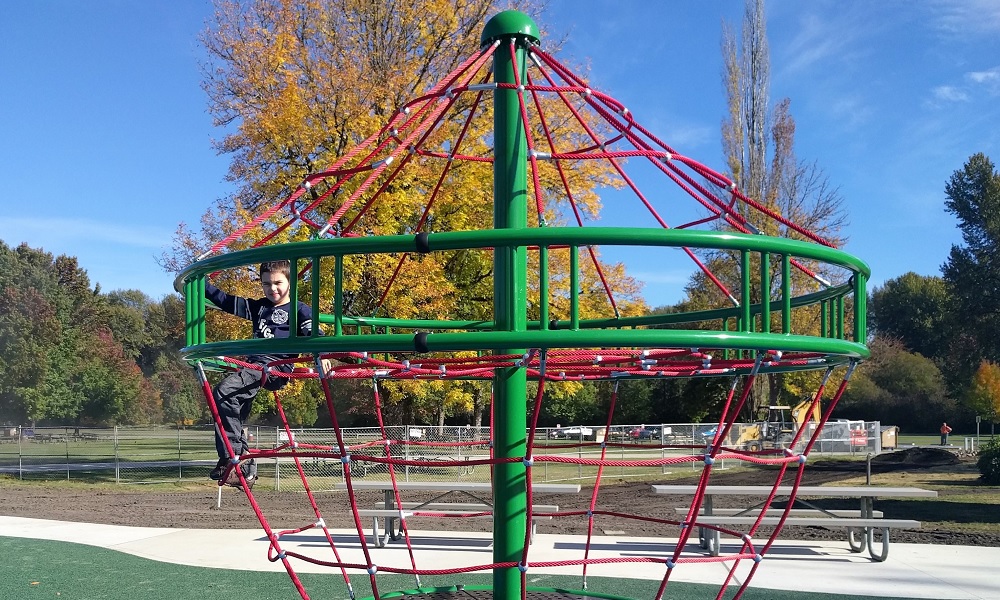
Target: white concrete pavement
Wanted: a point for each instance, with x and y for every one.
(911, 570)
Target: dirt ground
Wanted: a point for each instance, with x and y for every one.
(195, 508)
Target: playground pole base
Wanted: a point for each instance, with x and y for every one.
(485, 592)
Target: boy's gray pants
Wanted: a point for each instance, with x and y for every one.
(234, 397)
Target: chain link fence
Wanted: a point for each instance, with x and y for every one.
(132, 455)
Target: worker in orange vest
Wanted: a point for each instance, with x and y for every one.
(945, 430)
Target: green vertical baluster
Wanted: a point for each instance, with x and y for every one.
(860, 309)
(574, 287)
(314, 275)
(765, 292)
(543, 287)
(840, 317)
(338, 295)
(786, 294)
(199, 307)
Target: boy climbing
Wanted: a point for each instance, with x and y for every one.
(235, 393)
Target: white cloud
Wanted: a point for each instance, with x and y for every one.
(818, 40)
(968, 17)
(687, 136)
(652, 277)
(850, 111)
(988, 76)
(977, 81)
(948, 93)
(45, 230)
(988, 79)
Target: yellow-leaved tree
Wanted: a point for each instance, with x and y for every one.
(984, 395)
(296, 84)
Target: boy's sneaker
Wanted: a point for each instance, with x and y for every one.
(251, 479)
(220, 468)
(249, 469)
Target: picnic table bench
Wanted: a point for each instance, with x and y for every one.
(480, 494)
(866, 520)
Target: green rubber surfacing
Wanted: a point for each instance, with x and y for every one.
(68, 571)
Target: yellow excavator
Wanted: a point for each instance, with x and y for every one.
(778, 429)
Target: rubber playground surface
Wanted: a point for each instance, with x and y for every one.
(53, 559)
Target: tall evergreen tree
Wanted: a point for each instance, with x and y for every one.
(972, 270)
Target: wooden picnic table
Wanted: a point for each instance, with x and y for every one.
(865, 519)
(480, 492)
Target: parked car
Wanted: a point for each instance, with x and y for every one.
(646, 433)
(708, 434)
(572, 433)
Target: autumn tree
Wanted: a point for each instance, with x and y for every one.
(63, 364)
(984, 394)
(297, 83)
(758, 143)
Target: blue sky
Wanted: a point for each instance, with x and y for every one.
(105, 142)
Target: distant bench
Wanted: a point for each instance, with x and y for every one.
(866, 520)
(442, 509)
(438, 506)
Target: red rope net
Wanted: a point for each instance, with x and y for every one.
(389, 456)
(334, 202)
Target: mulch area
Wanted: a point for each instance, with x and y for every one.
(196, 508)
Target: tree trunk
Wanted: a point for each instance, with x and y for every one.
(478, 406)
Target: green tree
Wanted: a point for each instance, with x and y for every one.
(62, 362)
(182, 398)
(972, 270)
(111, 386)
(897, 387)
(914, 309)
(129, 315)
(29, 339)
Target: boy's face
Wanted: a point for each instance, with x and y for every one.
(275, 287)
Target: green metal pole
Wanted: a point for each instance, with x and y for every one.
(786, 294)
(315, 270)
(765, 292)
(189, 312)
(510, 283)
(543, 287)
(338, 295)
(860, 309)
(293, 298)
(745, 316)
(199, 306)
(823, 329)
(840, 317)
(574, 287)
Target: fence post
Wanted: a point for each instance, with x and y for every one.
(20, 454)
(458, 469)
(406, 450)
(117, 465)
(180, 458)
(66, 444)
